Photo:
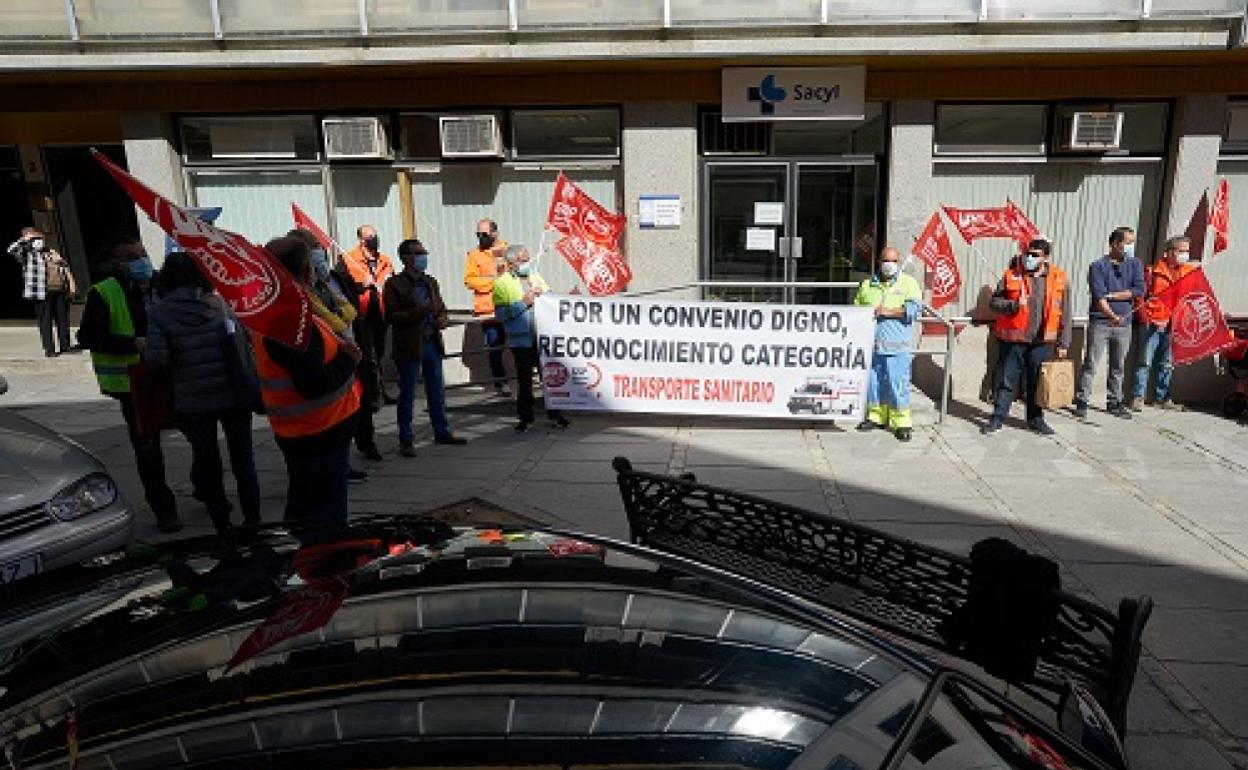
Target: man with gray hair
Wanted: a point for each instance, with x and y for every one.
(1115, 282)
(1152, 345)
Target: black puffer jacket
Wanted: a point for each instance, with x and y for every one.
(187, 332)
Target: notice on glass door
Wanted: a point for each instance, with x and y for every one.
(767, 213)
(760, 239)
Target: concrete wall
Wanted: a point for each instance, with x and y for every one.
(661, 157)
(1196, 132)
(909, 171)
(151, 157)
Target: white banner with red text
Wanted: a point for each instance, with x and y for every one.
(715, 358)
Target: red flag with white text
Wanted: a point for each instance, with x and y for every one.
(973, 224)
(1198, 327)
(1220, 217)
(602, 269)
(260, 291)
(305, 222)
(1024, 231)
(575, 214)
(935, 250)
(299, 611)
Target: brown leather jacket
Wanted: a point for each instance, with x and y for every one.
(408, 316)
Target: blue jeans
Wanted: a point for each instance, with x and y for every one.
(1020, 359)
(317, 489)
(1153, 346)
(495, 337)
(206, 469)
(410, 373)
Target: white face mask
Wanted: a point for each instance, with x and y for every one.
(1031, 263)
(36, 244)
(889, 269)
(1182, 257)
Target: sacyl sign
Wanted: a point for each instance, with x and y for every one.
(793, 93)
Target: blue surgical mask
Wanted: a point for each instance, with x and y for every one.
(420, 262)
(140, 269)
(320, 264)
(1129, 250)
(524, 269)
(1031, 263)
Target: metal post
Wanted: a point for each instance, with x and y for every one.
(363, 8)
(823, 11)
(218, 32)
(1146, 8)
(667, 14)
(983, 10)
(948, 378)
(513, 15)
(71, 17)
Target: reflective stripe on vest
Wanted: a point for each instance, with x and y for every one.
(1013, 328)
(112, 370)
(293, 415)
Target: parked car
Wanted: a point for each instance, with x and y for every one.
(58, 505)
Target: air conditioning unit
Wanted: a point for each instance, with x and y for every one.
(1095, 131)
(348, 138)
(470, 136)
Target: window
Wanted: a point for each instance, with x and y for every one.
(1143, 126)
(419, 137)
(990, 129)
(565, 134)
(794, 138)
(1235, 137)
(218, 140)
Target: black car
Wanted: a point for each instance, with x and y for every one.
(407, 643)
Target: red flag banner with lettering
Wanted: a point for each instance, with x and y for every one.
(574, 214)
(1198, 327)
(1023, 230)
(305, 222)
(261, 292)
(1220, 217)
(934, 248)
(973, 224)
(602, 269)
(299, 611)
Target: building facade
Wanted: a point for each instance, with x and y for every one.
(423, 116)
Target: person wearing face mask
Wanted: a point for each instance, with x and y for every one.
(484, 264)
(114, 329)
(46, 279)
(1153, 340)
(1116, 283)
(369, 270)
(515, 290)
(415, 309)
(898, 300)
(1033, 306)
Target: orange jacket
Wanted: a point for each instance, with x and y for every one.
(1013, 328)
(479, 275)
(357, 267)
(1157, 279)
(292, 415)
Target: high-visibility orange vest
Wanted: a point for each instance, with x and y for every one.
(357, 267)
(291, 414)
(1013, 328)
(1157, 279)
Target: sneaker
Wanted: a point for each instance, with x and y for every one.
(1170, 406)
(866, 426)
(1038, 425)
(370, 451)
(992, 426)
(450, 440)
(169, 523)
(1137, 404)
(407, 449)
(1081, 409)
(356, 477)
(1120, 411)
(904, 434)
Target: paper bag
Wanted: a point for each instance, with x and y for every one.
(1056, 389)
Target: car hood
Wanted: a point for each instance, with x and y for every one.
(36, 462)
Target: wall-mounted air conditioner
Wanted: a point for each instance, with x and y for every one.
(470, 136)
(1094, 131)
(353, 138)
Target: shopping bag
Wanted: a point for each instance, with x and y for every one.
(152, 391)
(1056, 389)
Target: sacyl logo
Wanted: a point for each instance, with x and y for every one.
(767, 94)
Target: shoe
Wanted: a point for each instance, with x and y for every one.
(450, 440)
(170, 523)
(559, 423)
(992, 426)
(407, 449)
(1137, 404)
(1040, 426)
(1120, 411)
(1081, 409)
(904, 434)
(521, 426)
(1170, 406)
(866, 425)
(71, 351)
(356, 477)
(370, 451)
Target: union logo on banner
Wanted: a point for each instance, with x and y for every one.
(935, 250)
(304, 609)
(973, 224)
(1220, 217)
(1198, 324)
(602, 269)
(574, 213)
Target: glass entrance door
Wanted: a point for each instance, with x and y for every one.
(797, 222)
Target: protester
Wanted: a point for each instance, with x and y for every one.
(1153, 341)
(1116, 283)
(114, 329)
(311, 397)
(369, 269)
(484, 264)
(193, 333)
(415, 309)
(897, 299)
(1033, 304)
(46, 279)
(514, 293)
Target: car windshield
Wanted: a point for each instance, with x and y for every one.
(813, 388)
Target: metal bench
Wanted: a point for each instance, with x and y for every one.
(905, 587)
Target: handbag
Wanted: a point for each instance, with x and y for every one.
(240, 367)
(152, 394)
(1056, 389)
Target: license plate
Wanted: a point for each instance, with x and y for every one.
(22, 568)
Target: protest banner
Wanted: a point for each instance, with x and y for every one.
(716, 358)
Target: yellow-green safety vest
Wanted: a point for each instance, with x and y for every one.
(112, 370)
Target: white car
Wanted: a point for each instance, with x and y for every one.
(58, 505)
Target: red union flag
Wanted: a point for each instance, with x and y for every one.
(304, 609)
(261, 292)
(305, 222)
(1024, 231)
(1198, 327)
(973, 224)
(574, 214)
(1220, 217)
(602, 269)
(934, 249)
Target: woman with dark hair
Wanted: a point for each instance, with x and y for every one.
(193, 333)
